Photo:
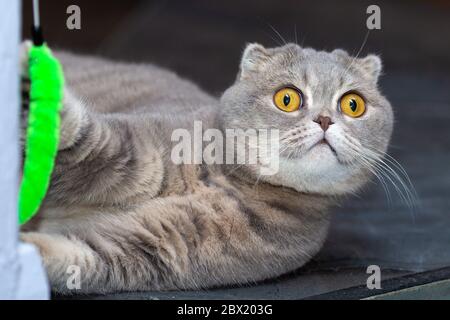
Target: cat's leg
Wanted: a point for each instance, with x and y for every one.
(198, 241)
(109, 253)
(109, 262)
(102, 159)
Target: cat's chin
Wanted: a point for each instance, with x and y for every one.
(322, 150)
(317, 171)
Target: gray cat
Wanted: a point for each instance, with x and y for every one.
(121, 210)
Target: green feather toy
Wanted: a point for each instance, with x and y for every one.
(42, 136)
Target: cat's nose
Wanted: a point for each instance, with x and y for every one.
(324, 122)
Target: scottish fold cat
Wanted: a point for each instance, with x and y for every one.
(130, 218)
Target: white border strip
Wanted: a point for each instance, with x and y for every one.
(21, 272)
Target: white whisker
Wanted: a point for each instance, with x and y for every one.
(385, 168)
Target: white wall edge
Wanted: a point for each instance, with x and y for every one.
(22, 275)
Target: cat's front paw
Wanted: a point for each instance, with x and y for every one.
(25, 85)
(40, 241)
(50, 254)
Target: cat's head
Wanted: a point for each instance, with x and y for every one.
(334, 124)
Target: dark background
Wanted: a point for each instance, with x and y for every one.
(203, 41)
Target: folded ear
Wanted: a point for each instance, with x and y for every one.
(341, 53)
(371, 66)
(253, 60)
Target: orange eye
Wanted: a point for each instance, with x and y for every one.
(288, 99)
(352, 105)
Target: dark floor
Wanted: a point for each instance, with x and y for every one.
(203, 40)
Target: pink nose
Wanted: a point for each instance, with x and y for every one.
(324, 122)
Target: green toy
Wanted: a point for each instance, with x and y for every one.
(42, 136)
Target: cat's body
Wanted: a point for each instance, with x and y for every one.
(131, 219)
